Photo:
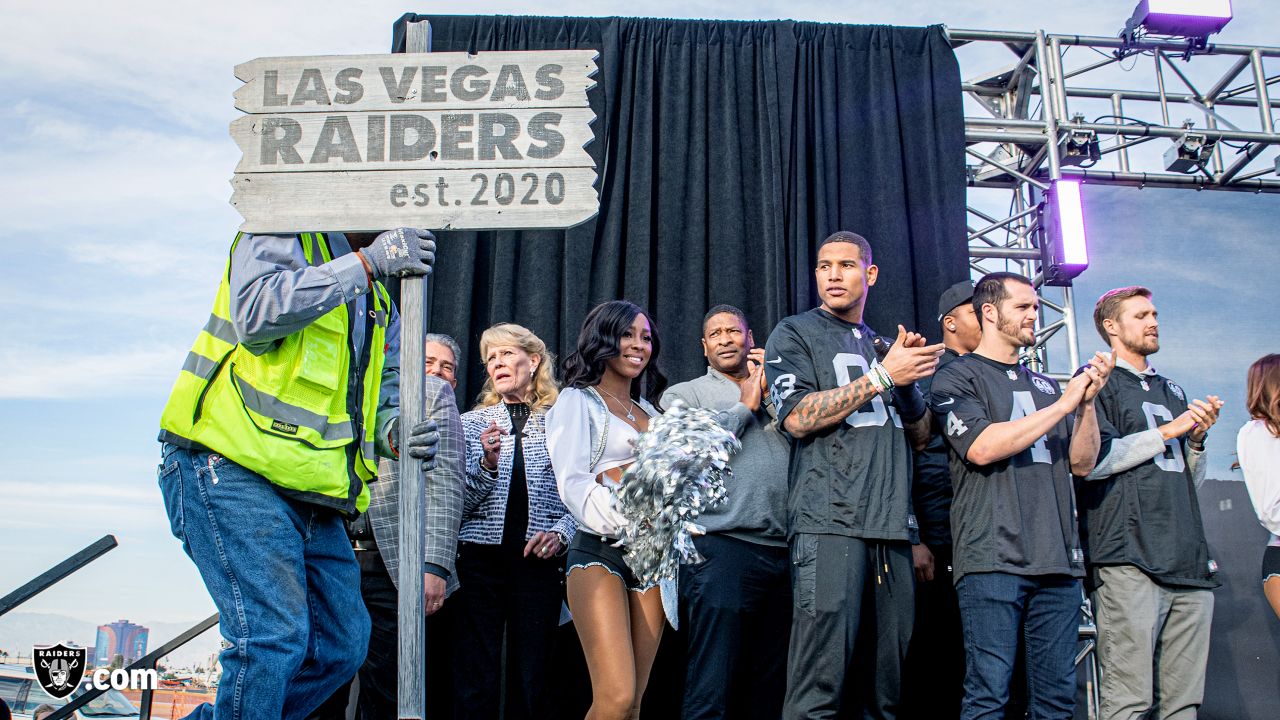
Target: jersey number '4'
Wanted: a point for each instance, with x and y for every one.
(1023, 406)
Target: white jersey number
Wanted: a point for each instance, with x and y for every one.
(872, 414)
(1171, 460)
(1023, 406)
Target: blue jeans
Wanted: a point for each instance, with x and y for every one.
(997, 611)
(283, 577)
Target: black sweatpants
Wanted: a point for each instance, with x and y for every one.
(933, 680)
(851, 624)
(504, 592)
(735, 607)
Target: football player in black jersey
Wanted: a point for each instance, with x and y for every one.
(1149, 564)
(845, 396)
(1016, 440)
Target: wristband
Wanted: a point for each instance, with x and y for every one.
(911, 405)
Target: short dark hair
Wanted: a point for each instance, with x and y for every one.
(991, 289)
(1108, 306)
(864, 247)
(722, 309)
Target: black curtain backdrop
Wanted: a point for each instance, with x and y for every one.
(726, 152)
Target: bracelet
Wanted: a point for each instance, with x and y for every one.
(880, 377)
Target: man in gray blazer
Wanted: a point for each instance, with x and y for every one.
(376, 539)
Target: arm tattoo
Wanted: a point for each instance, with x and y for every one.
(820, 410)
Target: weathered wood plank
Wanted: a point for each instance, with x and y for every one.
(411, 665)
(417, 81)
(448, 199)
(428, 140)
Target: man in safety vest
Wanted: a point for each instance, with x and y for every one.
(269, 437)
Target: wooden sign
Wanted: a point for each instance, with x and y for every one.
(428, 140)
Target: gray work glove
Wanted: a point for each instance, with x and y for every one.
(401, 252)
(422, 443)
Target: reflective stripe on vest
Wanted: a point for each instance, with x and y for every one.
(283, 414)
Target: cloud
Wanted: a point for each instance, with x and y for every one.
(29, 371)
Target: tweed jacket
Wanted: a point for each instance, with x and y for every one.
(485, 499)
(443, 489)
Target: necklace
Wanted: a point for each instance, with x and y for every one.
(630, 416)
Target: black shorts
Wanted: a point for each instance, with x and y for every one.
(589, 549)
(1270, 563)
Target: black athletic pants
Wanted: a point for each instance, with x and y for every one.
(851, 623)
(735, 607)
(933, 679)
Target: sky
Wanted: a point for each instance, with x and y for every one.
(114, 178)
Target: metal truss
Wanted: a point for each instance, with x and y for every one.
(1093, 109)
(1035, 120)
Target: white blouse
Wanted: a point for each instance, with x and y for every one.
(1259, 453)
(569, 445)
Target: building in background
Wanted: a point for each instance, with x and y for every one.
(121, 638)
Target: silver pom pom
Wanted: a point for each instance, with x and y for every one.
(681, 466)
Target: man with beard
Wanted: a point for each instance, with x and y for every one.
(735, 606)
(1015, 443)
(849, 516)
(1149, 563)
(935, 661)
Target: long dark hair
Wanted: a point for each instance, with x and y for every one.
(598, 342)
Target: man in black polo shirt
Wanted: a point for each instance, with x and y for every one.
(934, 670)
(1149, 563)
(844, 396)
(1015, 442)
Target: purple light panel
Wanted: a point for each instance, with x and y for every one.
(1071, 218)
(1184, 17)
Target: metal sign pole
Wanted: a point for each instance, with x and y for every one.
(412, 666)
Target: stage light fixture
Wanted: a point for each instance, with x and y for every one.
(1192, 20)
(1080, 147)
(1063, 250)
(1189, 152)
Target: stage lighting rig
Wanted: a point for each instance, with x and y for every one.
(1190, 20)
(1190, 152)
(1063, 250)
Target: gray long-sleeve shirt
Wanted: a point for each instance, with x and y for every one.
(275, 293)
(755, 508)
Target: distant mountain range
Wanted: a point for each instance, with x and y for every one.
(20, 631)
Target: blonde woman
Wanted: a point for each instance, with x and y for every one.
(514, 533)
(1258, 445)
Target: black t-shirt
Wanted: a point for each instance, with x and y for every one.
(853, 478)
(1147, 516)
(1016, 515)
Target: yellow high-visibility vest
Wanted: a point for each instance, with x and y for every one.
(284, 414)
